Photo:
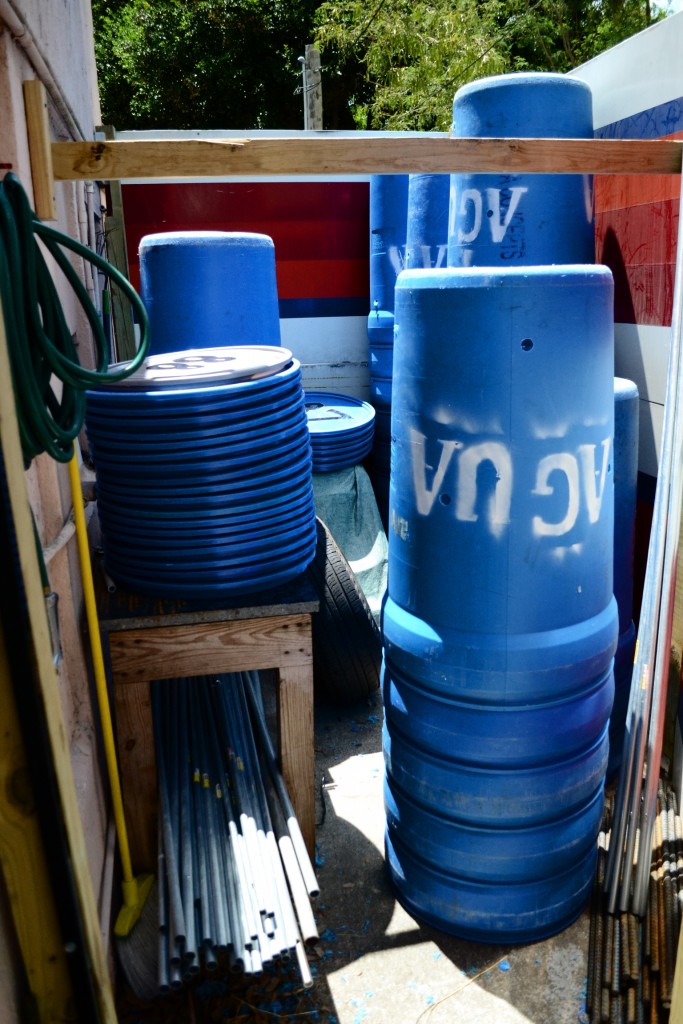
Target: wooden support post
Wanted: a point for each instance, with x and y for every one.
(313, 97)
(122, 314)
(40, 149)
(23, 856)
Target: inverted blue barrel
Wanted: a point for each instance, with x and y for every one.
(500, 624)
(534, 219)
(427, 227)
(388, 223)
(204, 289)
(626, 417)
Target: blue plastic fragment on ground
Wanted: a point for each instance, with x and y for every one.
(329, 935)
(504, 965)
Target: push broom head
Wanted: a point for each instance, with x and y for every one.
(135, 894)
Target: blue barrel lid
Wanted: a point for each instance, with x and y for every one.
(206, 367)
(330, 413)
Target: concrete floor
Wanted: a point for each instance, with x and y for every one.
(374, 962)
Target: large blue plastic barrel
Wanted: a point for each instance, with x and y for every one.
(203, 289)
(388, 225)
(427, 227)
(533, 219)
(388, 228)
(626, 416)
(500, 623)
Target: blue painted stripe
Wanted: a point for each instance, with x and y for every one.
(291, 309)
(664, 119)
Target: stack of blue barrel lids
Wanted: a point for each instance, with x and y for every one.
(341, 429)
(203, 461)
(500, 625)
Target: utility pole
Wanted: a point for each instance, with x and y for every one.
(312, 89)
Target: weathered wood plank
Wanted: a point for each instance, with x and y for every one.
(359, 154)
(201, 649)
(47, 973)
(137, 766)
(295, 723)
(35, 103)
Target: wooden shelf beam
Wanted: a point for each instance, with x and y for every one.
(358, 154)
(326, 153)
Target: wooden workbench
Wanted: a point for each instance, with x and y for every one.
(145, 639)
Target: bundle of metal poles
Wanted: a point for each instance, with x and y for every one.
(628, 862)
(235, 879)
(631, 960)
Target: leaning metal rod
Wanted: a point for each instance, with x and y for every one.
(246, 798)
(235, 898)
(258, 944)
(272, 766)
(217, 882)
(175, 907)
(254, 773)
(202, 901)
(646, 674)
(295, 879)
(184, 782)
(636, 783)
(287, 935)
(674, 469)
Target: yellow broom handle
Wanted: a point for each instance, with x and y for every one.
(98, 664)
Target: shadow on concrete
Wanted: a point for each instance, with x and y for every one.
(374, 961)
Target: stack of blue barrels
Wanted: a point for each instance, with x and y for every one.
(203, 458)
(500, 624)
(388, 227)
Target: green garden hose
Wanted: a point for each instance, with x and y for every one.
(40, 344)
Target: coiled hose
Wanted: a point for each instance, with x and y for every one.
(40, 344)
(39, 341)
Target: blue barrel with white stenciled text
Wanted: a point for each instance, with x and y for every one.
(500, 624)
(508, 219)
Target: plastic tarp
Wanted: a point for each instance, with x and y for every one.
(345, 501)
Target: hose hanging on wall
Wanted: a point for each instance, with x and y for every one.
(40, 343)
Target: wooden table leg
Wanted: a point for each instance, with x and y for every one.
(297, 754)
(137, 769)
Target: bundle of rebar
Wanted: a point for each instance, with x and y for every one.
(235, 879)
(631, 959)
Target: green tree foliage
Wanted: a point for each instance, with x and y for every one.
(201, 64)
(408, 50)
(403, 61)
(386, 63)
